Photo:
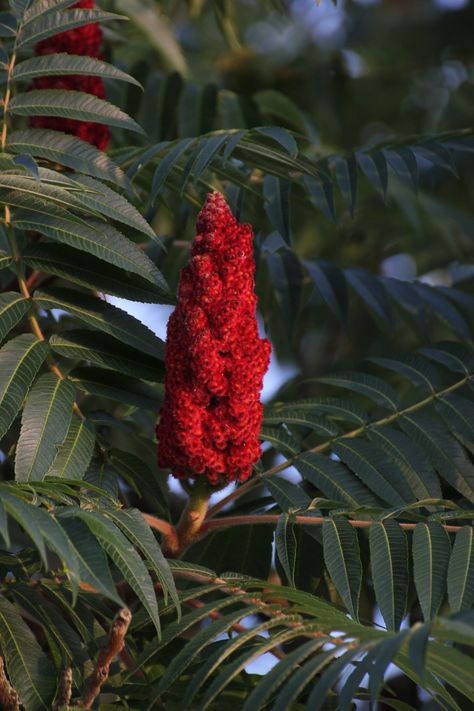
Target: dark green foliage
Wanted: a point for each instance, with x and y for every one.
(358, 197)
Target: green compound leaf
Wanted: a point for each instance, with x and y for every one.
(342, 558)
(431, 553)
(389, 559)
(461, 571)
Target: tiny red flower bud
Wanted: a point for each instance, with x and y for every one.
(85, 41)
(215, 360)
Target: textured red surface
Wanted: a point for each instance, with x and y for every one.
(85, 41)
(215, 359)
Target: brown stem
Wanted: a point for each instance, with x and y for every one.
(194, 514)
(251, 519)
(237, 493)
(114, 646)
(63, 697)
(9, 700)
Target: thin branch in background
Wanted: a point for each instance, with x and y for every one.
(252, 519)
(112, 649)
(63, 697)
(9, 700)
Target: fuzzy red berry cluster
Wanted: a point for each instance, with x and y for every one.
(215, 359)
(85, 41)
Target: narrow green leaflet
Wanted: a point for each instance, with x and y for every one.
(292, 416)
(62, 640)
(43, 26)
(445, 453)
(342, 558)
(43, 7)
(103, 316)
(93, 565)
(371, 291)
(44, 425)
(63, 64)
(451, 666)
(5, 260)
(333, 479)
(23, 188)
(103, 477)
(42, 527)
(431, 553)
(372, 387)
(418, 472)
(67, 150)
(86, 270)
(29, 669)
(277, 676)
(22, 513)
(335, 407)
(13, 307)
(281, 440)
(415, 369)
(104, 351)
(122, 388)
(374, 166)
(126, 558)
(134, 526)
(166, 164)
(389, 560)
(75, 452)
(19, 7)
(147, 483)
(345, 170)
(300, 680)
(369, 463)
(461, 571)
(4, 532)
(198, 643)
(20, 360)
(287, 495)
(458, 413)
(71, 104)
(285, 542)
(254, 636)
(108, 202)
(97, 238)
(232, 670)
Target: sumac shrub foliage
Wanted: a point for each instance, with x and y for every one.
(310, 552)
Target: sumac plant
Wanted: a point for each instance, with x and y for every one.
(167, 540)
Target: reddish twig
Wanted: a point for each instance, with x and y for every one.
(251, 519)
(9, 700)
(114, 646)
(63, 697)
(33, 279)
